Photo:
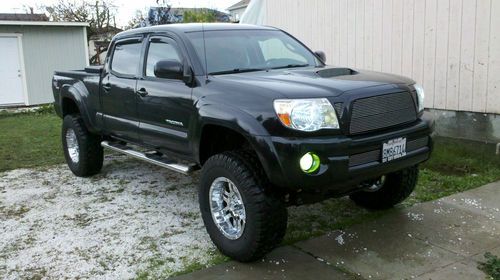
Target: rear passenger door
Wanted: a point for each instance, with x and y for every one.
(165, 107)
(118, 90)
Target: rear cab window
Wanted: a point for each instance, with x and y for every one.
(126, 58)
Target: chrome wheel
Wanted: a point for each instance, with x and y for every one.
(72, 145)
(228, 210)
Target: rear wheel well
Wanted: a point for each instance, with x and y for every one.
(69, 107)
(218, 139)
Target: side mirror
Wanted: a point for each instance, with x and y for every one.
(169, 69)
(321, 55)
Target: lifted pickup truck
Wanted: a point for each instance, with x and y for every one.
(266, 120)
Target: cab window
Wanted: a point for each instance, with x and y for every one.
(160, 50)
(126, 58)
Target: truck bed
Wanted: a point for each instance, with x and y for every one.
(86, 82)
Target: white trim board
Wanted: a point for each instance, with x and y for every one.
(87, 59)
(23, 69)
(43, 23)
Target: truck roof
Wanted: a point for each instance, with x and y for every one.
(192, 27)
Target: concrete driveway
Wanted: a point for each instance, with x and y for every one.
(443, 239)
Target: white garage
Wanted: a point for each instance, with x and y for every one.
(30, 51)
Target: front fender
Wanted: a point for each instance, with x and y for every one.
(247, 126)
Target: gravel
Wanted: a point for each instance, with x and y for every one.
(131, 218)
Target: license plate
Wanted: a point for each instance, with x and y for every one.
(394, 149)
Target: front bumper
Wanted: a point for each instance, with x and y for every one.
(346, 161)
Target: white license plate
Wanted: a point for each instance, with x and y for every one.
(394, 149)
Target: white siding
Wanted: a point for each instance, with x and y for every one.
(45, 50)
(451, 47)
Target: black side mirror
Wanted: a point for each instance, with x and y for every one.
(321, 55)
(169, 69)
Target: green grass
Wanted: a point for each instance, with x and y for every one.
(29, 140)
(457, 166)
(158, 267)
(491, 266)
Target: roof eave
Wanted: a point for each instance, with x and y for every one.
(237, 7)
(43, 23)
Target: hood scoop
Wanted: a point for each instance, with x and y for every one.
(335, 72)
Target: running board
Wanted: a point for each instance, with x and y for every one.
(151, 158)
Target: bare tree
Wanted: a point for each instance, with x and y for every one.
(138, 20)
(99, 14)
(155, 15)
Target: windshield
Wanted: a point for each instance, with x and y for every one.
(233, 51)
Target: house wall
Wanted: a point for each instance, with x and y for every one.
(237, 13)
(46, 49)
(451, 47)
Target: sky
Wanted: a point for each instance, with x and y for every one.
(125, 8)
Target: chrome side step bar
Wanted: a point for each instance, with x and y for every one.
(154, 159)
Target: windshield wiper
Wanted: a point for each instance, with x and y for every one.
(291, 66)
(237, 70)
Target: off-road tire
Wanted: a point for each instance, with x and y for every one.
(397, 187)
(266, 213)
(91, 154)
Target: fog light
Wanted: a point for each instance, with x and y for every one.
(309, 162)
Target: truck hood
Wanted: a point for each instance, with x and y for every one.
(311, 82)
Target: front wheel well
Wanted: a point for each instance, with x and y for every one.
(218, 139)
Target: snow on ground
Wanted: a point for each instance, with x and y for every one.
(132, 217)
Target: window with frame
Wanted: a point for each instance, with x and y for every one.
(126, 58)
(160, 50)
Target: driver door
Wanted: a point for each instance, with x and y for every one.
(165, 106)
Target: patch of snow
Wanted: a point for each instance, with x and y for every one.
(415, 216)
(16, 110)
(472, 202)
(113, 225)
(340, 239)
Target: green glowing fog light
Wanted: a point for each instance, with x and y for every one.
(309, 162)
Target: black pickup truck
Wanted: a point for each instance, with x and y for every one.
(265, 119)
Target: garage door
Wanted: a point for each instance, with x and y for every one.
(11, 80)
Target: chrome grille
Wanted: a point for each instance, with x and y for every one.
(383, 111)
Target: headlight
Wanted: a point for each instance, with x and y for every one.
(420, 97)
(306, 114)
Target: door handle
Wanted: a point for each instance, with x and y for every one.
(142, 92)
(106, 87)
